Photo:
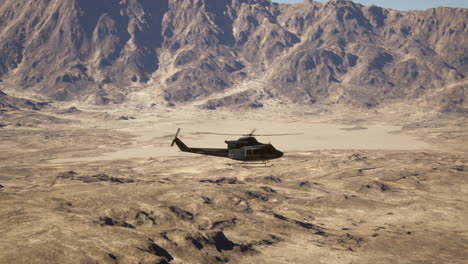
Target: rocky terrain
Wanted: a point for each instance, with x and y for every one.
(88, 186)
(234, 52)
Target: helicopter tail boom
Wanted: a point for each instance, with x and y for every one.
(203, 151)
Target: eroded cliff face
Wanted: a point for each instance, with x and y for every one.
(367, 55)
(187, 50)
(72, 49)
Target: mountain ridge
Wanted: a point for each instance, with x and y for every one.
(337, 52)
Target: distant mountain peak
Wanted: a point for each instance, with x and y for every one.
(192, 50)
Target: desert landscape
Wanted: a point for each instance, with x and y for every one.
(92, 94)
(92, 187)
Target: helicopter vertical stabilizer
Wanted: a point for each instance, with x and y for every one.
(179, 143)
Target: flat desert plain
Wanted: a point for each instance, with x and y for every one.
(103, 185)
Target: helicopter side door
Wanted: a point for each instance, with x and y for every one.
(255, 153)
(244, 153)
(237, 154)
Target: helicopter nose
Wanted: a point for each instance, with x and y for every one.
(280, 154)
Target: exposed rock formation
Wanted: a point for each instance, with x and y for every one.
(186, 50)
(11, 103)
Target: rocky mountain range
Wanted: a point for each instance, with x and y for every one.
(231, 52)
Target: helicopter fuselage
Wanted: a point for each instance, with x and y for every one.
(249, 149)
(243, 149)
(260, 152)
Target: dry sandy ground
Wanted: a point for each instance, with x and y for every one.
(357, 187)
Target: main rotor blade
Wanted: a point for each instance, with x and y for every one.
(252, 135)
(273, 135)
(221, 134)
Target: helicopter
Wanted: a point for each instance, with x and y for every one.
(245, 149)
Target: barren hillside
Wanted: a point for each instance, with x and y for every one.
(229, 52)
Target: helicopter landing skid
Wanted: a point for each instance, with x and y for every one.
(246, 164)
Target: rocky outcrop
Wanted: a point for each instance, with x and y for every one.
(11, 103)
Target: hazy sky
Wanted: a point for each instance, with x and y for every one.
(400, 4)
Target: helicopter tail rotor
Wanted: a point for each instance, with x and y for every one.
(177, 133)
